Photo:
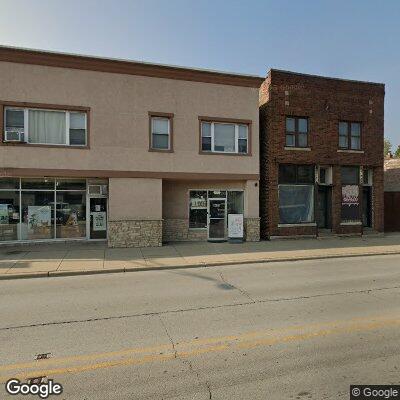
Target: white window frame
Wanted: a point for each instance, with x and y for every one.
(154, 117)
(67, 125)
(236, 125)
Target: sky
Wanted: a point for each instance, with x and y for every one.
(353, 39)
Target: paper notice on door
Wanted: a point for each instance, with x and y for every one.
(99, 221)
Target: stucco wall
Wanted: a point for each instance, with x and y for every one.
(119, 122)
(251, 202)
(135, 199)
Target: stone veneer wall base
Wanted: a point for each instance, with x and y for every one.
(252, 229)
(135, 233)
(176, 230)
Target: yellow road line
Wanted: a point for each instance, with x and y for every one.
(195, 342)
(244, 341)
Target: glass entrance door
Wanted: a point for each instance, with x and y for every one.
(216, 219)
(98, 218)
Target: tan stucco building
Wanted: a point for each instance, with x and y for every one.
(130, 152)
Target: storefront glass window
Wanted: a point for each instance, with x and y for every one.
(71, 214)
(71, 184)
(296, 204)
(235, 202)
(37, 215)
(217, 194)
(198, 209)
(9, 215)
(37, 183)
(9, 183)
(296, 194)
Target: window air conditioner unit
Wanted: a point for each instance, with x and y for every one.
(98, 189)
(324, 175)
(14, 135)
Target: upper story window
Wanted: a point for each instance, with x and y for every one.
(48, 127)
(160, 132)
(296, 132)
(224, 137)
(349, 135)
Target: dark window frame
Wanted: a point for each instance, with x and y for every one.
(170, 117)
(349, 135)
(296, 132)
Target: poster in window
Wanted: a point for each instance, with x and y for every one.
(235, 226)
(99, 221)
(350, 202)
(198, 203)
(3, 214)
(39, 217)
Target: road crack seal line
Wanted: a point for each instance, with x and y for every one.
(201, 308)
(242, 291)
(169, 336)
(185, 362)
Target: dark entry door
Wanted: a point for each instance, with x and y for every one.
(367, 207)
(98, 218)
(324, 207)
(392, 211)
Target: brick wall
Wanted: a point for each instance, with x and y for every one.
(325, 102)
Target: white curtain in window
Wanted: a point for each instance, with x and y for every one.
(47, 127)
(224, 137)
(296, 204)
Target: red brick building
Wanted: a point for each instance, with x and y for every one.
(321, 155)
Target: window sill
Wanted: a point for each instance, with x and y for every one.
(351, 223)
(220, 153)
(298, 148)
(297, 225)
(53, 146)
(197, 229)
(350, 151)
(161, 150)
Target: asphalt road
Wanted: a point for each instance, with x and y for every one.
(298, 330)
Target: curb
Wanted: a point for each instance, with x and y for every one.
(55, 274)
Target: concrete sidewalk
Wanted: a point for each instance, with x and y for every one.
(77, 258)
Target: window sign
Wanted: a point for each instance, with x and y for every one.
(198, 203)
(4, 214)
(39, 218)
(99, 221)
(350, 203)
